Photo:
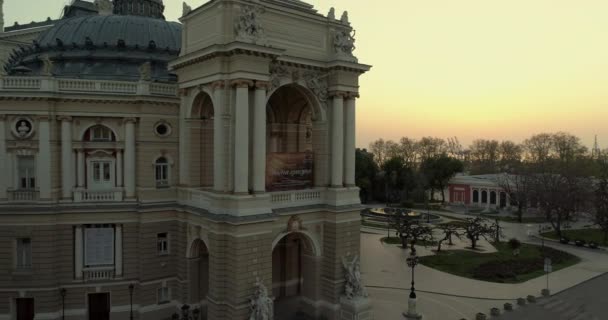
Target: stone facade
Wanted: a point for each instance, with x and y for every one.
(138, 197)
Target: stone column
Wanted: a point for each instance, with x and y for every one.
(337, 139)
(349, 140)
(241, 136)
(119, 164)
(67, 167)
(184, 138)
(118, 250)
(129, 165)
(78, 252)
(4, 183)
(80, 163)
(44, 158)
(219, 157)
(259, 138)
(488, 199)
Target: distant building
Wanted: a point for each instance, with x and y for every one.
(481, 191)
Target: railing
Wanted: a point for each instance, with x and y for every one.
(112, 195)
(20, 83)
(296, 198)
(90, 86)
(98, 273)
(23, 195)
(195, 198)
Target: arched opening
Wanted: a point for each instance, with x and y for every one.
(484, 197)
(294, 276)
(475, 196)
(493, 197)
(198, 275)
(99, 133)
(289, 139)
(201, 147)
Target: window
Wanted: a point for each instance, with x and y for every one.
(24, 253)
(99, 245)
(162, 243)
(101, 171)
(100, 133)
(162, 129)
(27, 173)
(162, 172)
(163, 295)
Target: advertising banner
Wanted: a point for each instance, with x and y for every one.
(289, 171)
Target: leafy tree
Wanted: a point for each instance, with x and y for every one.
(366, 171)
(476, 228)
(438, 172)
(484, 156)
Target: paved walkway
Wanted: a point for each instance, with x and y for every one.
(444, 296)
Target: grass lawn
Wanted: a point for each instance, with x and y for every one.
(397, 240)
(513, 219)
(500, 266)
(595, 235)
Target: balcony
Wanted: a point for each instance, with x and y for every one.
(25, 195)
(110, 195)
(297, 198)
(98, 273)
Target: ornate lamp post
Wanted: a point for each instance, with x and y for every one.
(63, 292)
(412, 313)
(131, 287)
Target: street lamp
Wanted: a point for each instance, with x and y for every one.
(63, 292)
(131, 287)
(412, 262)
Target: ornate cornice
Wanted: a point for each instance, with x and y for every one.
(129, 120)
(64, 118)
(337, 93)
(220, 84)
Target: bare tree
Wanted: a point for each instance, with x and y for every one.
(476, 228)
(378, 149)
(449, 230)
(538, 147)
(600, 214)
(411, 231)
(409, 151)
(429, 147)
(518, 186)
(510, 155)
(484, 155)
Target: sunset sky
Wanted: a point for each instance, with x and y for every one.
(501, 69)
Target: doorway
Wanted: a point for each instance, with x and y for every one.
(99, 306)
(25, 308)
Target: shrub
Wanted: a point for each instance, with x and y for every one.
(514, 244)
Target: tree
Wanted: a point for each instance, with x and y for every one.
(408, 150)
(429, 147)
(378, 149)
(439, 171)
(484, 155)
(538, 147)
(518, 186)
(567, 147)
(366, 170)
(476, 228)
(510, 155)
(449, 230)
(409, 229)
(600, 214)
(394, 175)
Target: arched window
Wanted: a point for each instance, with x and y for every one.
(99, 133)
(162, 172)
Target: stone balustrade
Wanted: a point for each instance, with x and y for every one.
(98, 273)
(23, 195)
(111, 195)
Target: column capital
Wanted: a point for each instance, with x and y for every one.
(129, 120)
(262, 84)
(220, 84)
(43, 117)
(338, 94)
(241, 83)
(352, 95)
(64, 118)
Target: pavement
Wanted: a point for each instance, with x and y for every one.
(444, 296)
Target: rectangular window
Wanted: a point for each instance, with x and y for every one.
(163, 295)
(162, 174)
(162, 243)
(24, 253)
(99, 246)
(27, 173)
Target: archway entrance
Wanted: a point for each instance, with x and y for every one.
(294, 277)
(198, 272)
(289, 137)
(201, 138)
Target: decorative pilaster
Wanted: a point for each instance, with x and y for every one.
(349, 139)
(67, 167)
(119, 171)
(4, 183)
(259, 137)
(44, 158)
(337, 139)
(78, 252)
(118, 250)
(219, 154)
(184, 138)
(129, 160)
(241, 136)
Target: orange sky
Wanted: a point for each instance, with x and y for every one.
(468, 68)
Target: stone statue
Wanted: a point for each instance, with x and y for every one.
(344, 42)
(317, 83)
(344, 18)
(261, 304)
(145, 72)
(104, 7)
(332, 14)
(247, 26)
(353, 288)
(23, 129)
(277, 72)
(186, 9)
(47, 66)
